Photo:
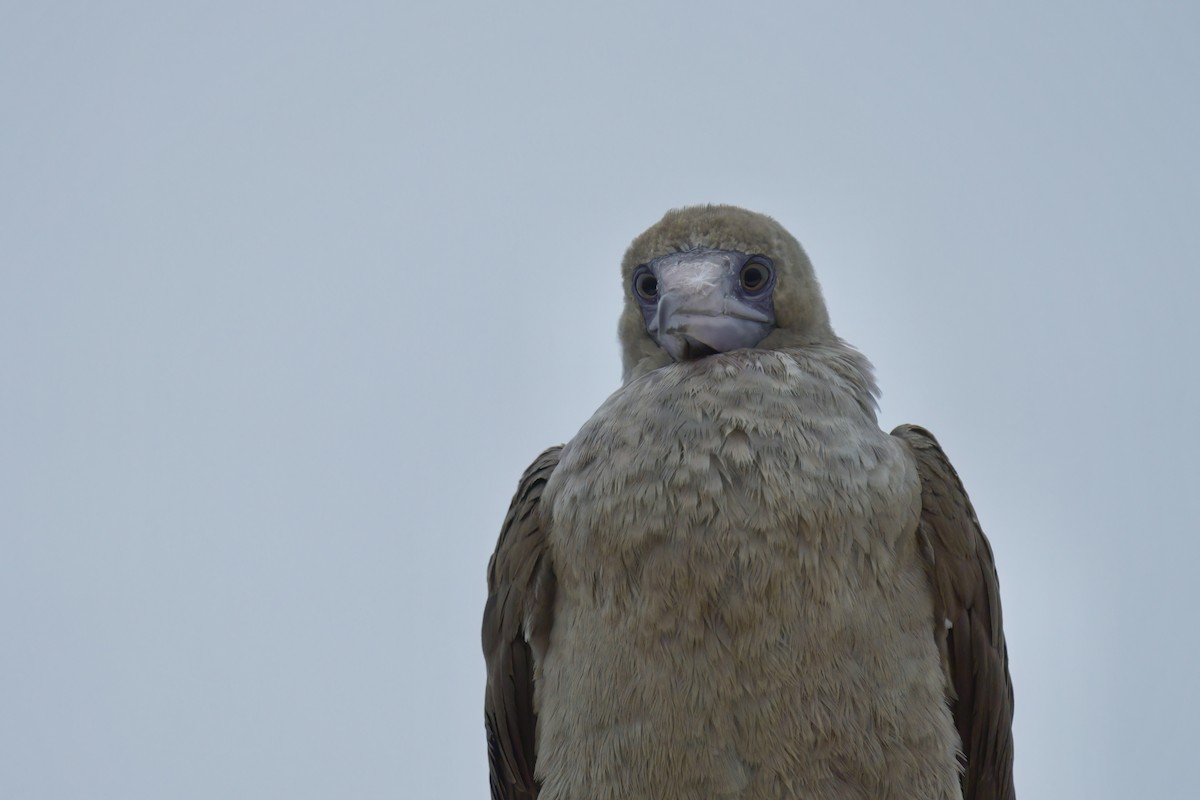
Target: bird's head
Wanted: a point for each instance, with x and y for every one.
(710, 279)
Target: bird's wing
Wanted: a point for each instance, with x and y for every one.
(518, 613)
(968, 621)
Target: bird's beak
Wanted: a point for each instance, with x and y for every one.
(700, 312)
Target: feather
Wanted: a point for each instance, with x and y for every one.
(963, 573)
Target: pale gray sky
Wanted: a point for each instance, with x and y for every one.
(290, 294)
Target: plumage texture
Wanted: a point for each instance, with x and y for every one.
(967, 596)
(521, 597)
(732, 584)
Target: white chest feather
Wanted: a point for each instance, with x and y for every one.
(742, 610)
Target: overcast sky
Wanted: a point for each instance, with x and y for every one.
(290, 294)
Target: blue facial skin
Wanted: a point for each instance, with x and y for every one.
(705, 301)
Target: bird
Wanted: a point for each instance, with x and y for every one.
(731, 583)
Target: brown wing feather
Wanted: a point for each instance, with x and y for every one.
(968, 595)
(519, 606)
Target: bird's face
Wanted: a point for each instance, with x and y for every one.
(706, 301)
(706, 280)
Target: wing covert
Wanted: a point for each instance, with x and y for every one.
(968, 623)
(519, 608)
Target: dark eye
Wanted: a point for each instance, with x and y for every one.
(646, 285)
(755, 276)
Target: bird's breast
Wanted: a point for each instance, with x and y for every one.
(724, 469)
(741, 602)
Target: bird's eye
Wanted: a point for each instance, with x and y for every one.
(755, 276)
(646, 285)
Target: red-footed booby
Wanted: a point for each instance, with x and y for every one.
(731, 583)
